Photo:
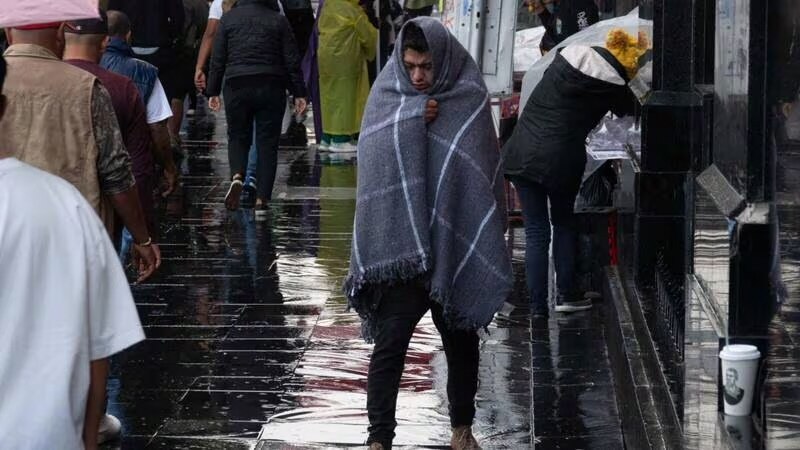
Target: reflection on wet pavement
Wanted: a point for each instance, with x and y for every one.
(250, 344)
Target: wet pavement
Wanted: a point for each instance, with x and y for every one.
(249, 344)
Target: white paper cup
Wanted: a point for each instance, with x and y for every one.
(739, 370)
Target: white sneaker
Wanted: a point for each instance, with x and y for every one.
(110, 429)
(324, 146)
(345, 147)
(568, 307)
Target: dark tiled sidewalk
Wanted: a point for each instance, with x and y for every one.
(249, 344)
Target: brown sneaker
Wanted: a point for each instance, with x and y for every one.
(463, 439)
(376, 446)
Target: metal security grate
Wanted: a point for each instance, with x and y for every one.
(667, 325)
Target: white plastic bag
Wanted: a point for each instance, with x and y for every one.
(594, 35)
(526, 48)
(16, 13)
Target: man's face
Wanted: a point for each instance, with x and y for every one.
(730, 377)
(420, 69)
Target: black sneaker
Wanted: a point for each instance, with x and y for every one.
(540, 310)
(248, 196)
(568, 304)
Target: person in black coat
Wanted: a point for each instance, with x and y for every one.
(546, 155)
(255, 53)
(563, 18)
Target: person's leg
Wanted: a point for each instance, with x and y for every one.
(249, 192)
(463, 356)
(192, 101)
(400, 310)
(252, 161)
(174, 122)
(269, 117)
(565, 237)
(537, 241)
(239, 116)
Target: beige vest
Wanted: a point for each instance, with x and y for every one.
(48, 123)
(227, 5)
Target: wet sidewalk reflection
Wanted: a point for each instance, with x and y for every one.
(249, 344)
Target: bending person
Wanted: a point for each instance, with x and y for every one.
(546, 155)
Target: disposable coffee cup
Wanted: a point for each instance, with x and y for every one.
(739, 370)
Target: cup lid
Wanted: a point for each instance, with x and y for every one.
(739, 352)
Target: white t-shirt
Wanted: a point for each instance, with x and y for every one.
(215, 10)
(64, 302)
(158, 106)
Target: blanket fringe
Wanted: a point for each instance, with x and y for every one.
(364, 292)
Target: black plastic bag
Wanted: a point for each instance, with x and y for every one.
(598, 189)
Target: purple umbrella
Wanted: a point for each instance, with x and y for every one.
(311, 75)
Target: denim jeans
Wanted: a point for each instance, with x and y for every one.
(538, 218)
(400, 310)
(126, 243)
(252, 162)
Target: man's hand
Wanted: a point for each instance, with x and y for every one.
(171, 178)
(300, 105)
(431, 111)
(146, 259)
(199, 79)
(215, 104)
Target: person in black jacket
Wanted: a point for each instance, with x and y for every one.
(563, 18)
(255, 53)
(157, 26)
(546, 155)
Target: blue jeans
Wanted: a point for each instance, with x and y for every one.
(126, 242)
(252, 162)
(534, 198)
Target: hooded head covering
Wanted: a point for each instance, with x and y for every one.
(430, 198)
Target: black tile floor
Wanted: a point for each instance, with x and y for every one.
(250, 344)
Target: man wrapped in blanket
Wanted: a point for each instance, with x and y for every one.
(430, 222)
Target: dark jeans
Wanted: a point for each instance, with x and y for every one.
(400, 310)
(169, 71)
(534, 198)
(263, 99)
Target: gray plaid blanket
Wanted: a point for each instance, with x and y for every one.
(430, 197)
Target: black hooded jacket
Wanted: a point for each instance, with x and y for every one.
(253, 38)
(548, 145)
(155, 23)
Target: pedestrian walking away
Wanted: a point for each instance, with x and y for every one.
(159, 26)
(65, 299)
(430, 221)
(255, 54)
(118, 57)
(546, 155)
(347, 40)
(84, 42)
(79, 139)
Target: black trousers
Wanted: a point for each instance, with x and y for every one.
(263, 99)
(399, 312)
